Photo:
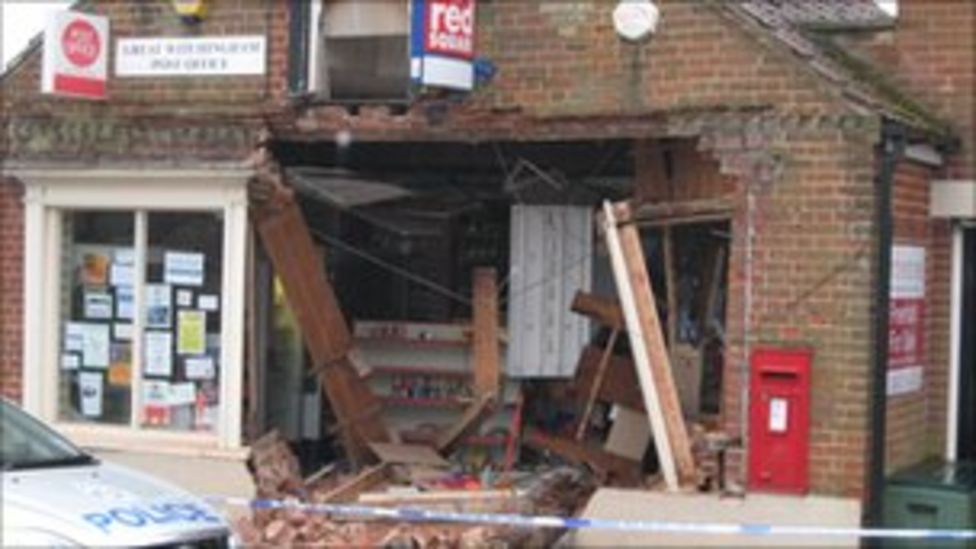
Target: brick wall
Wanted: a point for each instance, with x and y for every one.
(811, 287)
(563, 59)
(157, 121)
(931, 53)
(696, 58)
(11, 287)
(936, 50)
(168, 120)
(806, 282)
(916, 421)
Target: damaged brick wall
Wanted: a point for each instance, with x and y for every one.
(11, 287)
(563, 60)
(806, 281)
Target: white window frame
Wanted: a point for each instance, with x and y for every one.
(49, 193)
(955, 337)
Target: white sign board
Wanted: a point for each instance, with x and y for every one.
(209, 56)
(907, 272)
(185, 269)
(75, 61)
(904, 380)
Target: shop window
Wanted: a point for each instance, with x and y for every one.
(95, 381)
(361, 51)
(104, 378)
(181, 341)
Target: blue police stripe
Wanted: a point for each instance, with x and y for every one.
(415, 514)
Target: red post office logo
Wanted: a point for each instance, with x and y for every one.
(80, 43)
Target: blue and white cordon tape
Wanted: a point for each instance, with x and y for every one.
(414, 514)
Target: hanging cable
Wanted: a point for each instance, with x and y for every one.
(413, 277)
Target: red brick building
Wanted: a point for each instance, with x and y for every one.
(754, 131)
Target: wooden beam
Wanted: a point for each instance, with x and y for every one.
(595, 385)
(671, 286)
(677, 211)
(409, 454)
(365, 481)
(620, 384)
(674, 222)
(485, 339)
(295, 257)
(601, 309)
(327, 337)
(356, 408)
(439, 496)
(469, 422)
(606, 465)
(648, 348)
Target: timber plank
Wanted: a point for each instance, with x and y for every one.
(365, 481)
(296, 260)
(645, 325)
(409, 454)
(670, 286)
(485, 339)
(472, 418)
(604, 310)
(327, 337)
(620, 384)
(606, 465)
(596, 384)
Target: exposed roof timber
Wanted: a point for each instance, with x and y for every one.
(321, 124)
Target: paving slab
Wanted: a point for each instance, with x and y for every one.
(622, 504)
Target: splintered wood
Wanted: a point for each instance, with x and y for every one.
(327, 337)
(620, 384)
(472, 418)
(609, 468)
(648, 347)
(293, 253)
(486, 362)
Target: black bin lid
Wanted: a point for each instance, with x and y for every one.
(937, 473)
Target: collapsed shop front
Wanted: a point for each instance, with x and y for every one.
(404, 228)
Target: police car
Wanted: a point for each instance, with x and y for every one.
(54, 494)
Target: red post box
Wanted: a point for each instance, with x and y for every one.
(779, 420)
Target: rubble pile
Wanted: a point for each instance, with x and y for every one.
(558, 491)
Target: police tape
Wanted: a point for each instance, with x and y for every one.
(415, 514)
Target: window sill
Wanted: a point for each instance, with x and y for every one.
(110, 437)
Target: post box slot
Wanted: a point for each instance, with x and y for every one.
(782, 376)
